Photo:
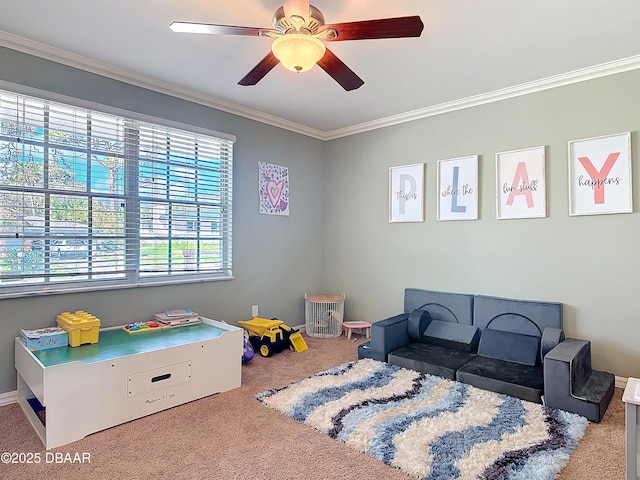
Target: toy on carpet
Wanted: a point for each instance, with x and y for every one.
(247, 354)
(272, 336)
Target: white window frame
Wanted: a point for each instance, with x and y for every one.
(135, 275)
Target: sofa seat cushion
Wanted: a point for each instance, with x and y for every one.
(432, 359)
(452, 335)
(598, 388)
(510, 346)
(514, 379)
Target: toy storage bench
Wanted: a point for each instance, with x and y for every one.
(123, 377)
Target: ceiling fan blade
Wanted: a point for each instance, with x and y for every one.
(190, 27)
(398, 27)
(299, 8)
(337, 69)
(260, 70)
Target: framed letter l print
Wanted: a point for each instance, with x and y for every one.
(458, 188)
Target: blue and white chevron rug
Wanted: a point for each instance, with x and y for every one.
(430, 427)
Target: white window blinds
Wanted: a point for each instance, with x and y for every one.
(89, 199)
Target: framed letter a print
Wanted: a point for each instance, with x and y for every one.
(406, 193)
(520, 184)
(458, 188)
(600, 175)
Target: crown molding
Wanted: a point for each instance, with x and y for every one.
(576, 76)
(47, 52)
(57, 55)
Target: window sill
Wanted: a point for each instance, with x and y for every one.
(100, 288)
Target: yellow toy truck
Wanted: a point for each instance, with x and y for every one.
(272, 336)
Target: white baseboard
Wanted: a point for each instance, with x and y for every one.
(8, 398)
(621, 382)
(12, 397)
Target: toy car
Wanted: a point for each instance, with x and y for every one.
(272, 336)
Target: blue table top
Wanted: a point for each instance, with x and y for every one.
(115, 343)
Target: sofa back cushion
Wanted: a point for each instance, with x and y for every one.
(448, 307)
(509, 346)
(452, 335)
(519, 316)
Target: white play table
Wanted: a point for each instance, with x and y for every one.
(90, 388)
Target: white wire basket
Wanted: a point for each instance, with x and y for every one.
(323, 315)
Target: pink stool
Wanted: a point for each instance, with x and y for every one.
(350, 326)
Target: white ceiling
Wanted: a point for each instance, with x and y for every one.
(470, 51)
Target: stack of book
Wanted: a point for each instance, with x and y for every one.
(177, 318)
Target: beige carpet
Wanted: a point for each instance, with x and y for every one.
(232, 436)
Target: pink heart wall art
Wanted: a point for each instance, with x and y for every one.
(273, 189)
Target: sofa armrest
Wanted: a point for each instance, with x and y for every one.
(576, 355)
(570, 383)
(390, 334)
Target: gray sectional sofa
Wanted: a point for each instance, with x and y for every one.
(509, 346)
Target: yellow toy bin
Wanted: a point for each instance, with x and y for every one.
(82, 327)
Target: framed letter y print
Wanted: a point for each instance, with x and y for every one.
(520, 184)
(600, 175)
(406, 193)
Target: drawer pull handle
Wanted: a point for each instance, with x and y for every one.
(159, 378)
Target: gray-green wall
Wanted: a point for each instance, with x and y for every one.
(276, 259)
(338, 238)
(589, 263)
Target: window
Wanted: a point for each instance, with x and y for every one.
(93, 200)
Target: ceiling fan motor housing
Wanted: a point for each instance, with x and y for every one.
(285, 25)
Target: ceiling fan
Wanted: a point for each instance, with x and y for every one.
(299, 34)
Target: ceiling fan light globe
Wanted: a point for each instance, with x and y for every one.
(298, 52)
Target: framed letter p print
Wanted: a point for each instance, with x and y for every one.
(406, 193)
(458, 188)
(600, 175)
(520, 184)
